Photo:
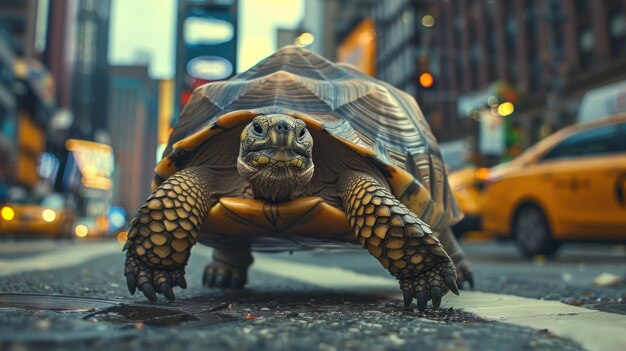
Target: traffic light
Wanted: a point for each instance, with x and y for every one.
(425, 77)
(426, 80)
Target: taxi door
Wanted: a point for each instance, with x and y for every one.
(587, 175)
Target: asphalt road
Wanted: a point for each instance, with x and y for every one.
(71, 294)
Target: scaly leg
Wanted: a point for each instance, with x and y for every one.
(162, 233)
(402, 242)
(229, 268)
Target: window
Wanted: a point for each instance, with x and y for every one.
(617, 28)
(598, 141)
(586, 44)
(511, 40)
(584, 34)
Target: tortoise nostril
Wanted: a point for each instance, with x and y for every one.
(282, 127)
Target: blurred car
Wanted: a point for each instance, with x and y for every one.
(28, 217)
(466, 185)
(569, 186)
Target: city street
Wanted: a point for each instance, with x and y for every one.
(72, 294)
(282, 124)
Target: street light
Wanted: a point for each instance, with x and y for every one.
(428, 21)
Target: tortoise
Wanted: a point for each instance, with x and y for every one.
(298, 152)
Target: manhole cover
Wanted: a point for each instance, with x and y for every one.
(53, 302)
(158, 316)
(115, 311)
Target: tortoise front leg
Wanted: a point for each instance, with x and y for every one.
(402, 242)
(162, 233)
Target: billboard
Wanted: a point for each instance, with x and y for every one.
(207, 44)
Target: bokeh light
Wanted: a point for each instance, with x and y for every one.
(428, 21)
(505, 109)
(81, 230)
(426, 80)
(122, 236)
(7, 213)
(305, 39)
(48, 215)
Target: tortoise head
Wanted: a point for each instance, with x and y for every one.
(276, 155)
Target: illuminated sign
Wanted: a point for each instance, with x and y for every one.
(207, 50)
(207, 31)
(94, 162)
(209, 68)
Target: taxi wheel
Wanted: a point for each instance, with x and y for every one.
(531, 232)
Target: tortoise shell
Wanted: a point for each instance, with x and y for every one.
(369, 116)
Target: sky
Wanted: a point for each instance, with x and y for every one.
(143, 31)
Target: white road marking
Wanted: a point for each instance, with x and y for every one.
(59, 258)
(594, 330)
(33, 245)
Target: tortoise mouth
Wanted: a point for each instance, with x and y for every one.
(281, 154)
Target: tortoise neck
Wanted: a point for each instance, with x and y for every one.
(273, 193)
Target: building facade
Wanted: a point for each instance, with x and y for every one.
(91, 73)
(20, 17)
(284, 37)
(7, 113)
(330, 21)
(407, 48)
(26, 88)
(132, 122)
(542, 55)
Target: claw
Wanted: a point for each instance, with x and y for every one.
(148, 292)
(451, 284)
(166, 289)
(408, 299)
(435, 293)
(182, 282)
(131, 283)
(422, 300)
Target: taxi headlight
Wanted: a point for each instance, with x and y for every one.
(7, 213)
(48, 215)
(81, 230)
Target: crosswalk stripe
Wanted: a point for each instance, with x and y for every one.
(61, 258)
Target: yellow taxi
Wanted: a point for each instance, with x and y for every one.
(23, 218)
(466, 185)
(569, 186)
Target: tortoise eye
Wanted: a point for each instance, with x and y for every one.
(302, 133)
(257, 128)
